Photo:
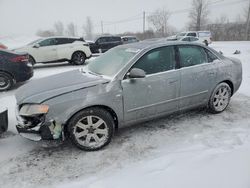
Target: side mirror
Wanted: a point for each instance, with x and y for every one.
(136, 73)
(36, 46)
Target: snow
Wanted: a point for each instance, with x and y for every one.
(193, 149)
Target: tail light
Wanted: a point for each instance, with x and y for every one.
(3, 47)
(22, 58)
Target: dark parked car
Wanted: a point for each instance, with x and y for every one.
(104, 43)
(14, 67)
(129, 39)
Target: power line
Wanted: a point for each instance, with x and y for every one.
(139, 17)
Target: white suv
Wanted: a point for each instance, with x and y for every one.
(57, 49)
(204, 36)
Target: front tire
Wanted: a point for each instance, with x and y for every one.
(6, 81)
(91, 129)
(220, 98)
(78, 58)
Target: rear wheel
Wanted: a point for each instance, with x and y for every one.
(91, 129)
(78, 58)
(220, 98)
(6, 81)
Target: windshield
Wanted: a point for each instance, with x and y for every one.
(35, 41)
(112, 61)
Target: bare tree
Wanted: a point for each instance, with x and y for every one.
(198, 14)
(71, 29)
(159, 20)
(59, 28)
(88, 28)
(45, 33)
(247, 21)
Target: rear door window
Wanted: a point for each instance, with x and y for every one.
(61, 41)
(191, 55)
(48, 42)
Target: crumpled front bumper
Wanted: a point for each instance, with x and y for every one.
(45, 130)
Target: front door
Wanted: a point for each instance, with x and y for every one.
(47, 50)
(158, 92)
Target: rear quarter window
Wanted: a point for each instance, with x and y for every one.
(210, 56)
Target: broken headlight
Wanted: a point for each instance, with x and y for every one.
(33, 109)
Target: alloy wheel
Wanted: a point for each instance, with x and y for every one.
(91, 131)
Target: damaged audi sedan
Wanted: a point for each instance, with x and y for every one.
(128, 84)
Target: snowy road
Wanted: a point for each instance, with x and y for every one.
(195, 149)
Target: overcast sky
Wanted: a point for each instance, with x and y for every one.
(25, 17)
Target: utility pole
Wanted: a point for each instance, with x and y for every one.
(248, 20)
(102, 26)
(144, 20)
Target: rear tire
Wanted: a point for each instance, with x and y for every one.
(6, 81)
(220, 98)
(78, 58)
(91, 129)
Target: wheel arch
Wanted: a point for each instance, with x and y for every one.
(231, 85)
(32, 57)
(10, 74)
(77, 51)
(108, 109)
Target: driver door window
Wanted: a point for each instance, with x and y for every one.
(156, 93)
(156, 61)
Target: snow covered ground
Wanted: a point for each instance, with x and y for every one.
(194, 149)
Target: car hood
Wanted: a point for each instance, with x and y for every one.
(40, 90)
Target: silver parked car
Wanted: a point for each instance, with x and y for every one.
(128, 84)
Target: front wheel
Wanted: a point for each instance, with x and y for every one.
(220, 98)
(91, 129)
(78, 58)
(6, 81)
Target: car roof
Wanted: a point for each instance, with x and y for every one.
(148, 44)
(128, 37)
(71, 37)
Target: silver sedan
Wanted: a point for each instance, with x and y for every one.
(126, 85)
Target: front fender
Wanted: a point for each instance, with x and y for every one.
(63, 107)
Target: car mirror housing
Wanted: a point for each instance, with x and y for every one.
(137, 73)
(36, 46)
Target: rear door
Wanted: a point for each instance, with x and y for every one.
(197, 76)
(158, 92)
(64, 48)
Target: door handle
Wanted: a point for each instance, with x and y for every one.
(54, 49)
